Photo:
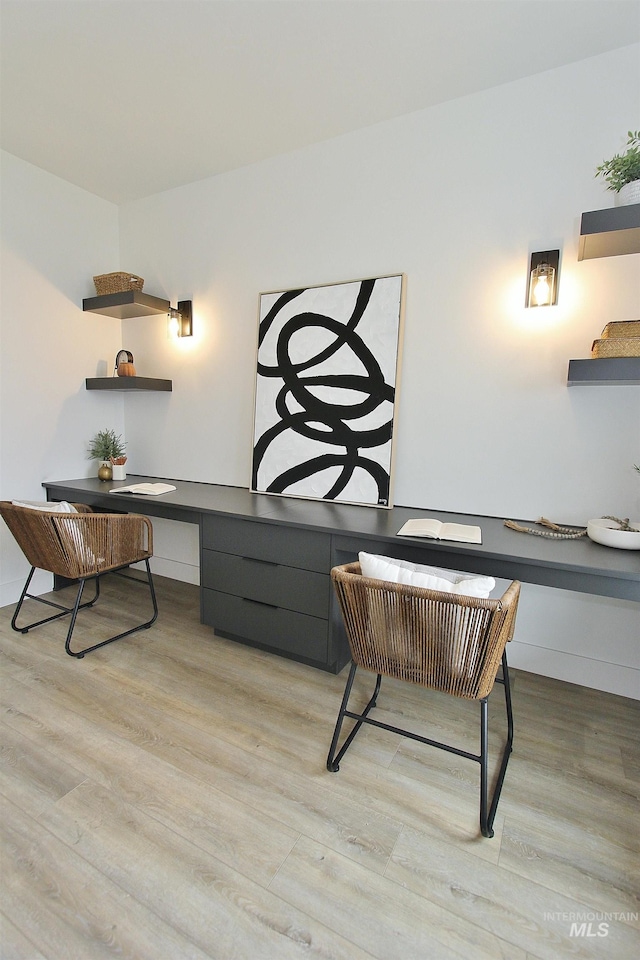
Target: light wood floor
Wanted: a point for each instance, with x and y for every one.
(166, 797)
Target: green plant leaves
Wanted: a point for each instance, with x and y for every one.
(106, 444)
(622, 168)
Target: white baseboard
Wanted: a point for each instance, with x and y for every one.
(617, 678)
(10, 592)
(176, 570)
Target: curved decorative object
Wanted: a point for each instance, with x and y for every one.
(124, 364)
(608, 532)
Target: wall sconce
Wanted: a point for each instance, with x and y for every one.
(542, 289)
(181, 320)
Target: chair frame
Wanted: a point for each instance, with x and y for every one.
(79, 547)
(498, 626)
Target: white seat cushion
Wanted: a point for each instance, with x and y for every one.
(62, 507)
(429, 578)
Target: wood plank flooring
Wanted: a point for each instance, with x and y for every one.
(166, 798)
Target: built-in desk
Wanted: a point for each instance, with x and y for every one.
(265, 560)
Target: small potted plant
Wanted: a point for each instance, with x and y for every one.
(108, 447)
(622, 172)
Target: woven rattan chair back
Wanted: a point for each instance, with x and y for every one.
(79, 546)
(446, 641)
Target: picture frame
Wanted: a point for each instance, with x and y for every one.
(327, 373)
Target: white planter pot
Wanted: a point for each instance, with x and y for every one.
(630, 193)
(119, 471)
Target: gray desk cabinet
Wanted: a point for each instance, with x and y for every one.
(269, 586)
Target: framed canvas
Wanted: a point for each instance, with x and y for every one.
(326, 390)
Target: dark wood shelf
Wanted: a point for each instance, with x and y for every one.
(605, 371)
(128, 383)
(124, 306)
(610, 233)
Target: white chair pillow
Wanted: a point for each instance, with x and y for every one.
(62, 507)
(429, 578)
(75, 532)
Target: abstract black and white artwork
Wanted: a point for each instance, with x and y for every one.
(327, 371)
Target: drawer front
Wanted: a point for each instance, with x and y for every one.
(272, 583)
(292, 547)
(283, 630)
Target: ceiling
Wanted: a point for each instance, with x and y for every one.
(127, 98)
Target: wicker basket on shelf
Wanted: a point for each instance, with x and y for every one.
(621, 338)
(621, 328)
(117, 283)
(616, 347)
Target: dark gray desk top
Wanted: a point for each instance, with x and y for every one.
(579, 565)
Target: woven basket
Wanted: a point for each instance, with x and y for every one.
(621, 328)
(117, 283)
(616, 347)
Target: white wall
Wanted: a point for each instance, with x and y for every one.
(455, 197)
(55, 237)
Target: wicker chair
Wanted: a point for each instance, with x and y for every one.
(444, 641)
(79, 547)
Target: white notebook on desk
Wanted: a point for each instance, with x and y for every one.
(147, 489)
(436, 530)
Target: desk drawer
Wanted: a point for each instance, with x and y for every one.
(284, 630)
(280, 586)
(273, 542)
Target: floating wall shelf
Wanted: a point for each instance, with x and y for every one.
(128, 383)
(124, 306)
(610, 233)
(605, 371)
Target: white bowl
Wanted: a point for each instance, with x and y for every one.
(609, 533)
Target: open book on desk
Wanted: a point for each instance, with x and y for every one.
(436, 530)
(148, 489)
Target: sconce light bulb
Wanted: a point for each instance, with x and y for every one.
(174, 323)
(542, 291)
(180, 323)
(543, 279)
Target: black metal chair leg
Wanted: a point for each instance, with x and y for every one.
(65, 611)
(487, 817)
(485, 827)
(507, 698)
(333, 761)
(487, 807)
(142, 626)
